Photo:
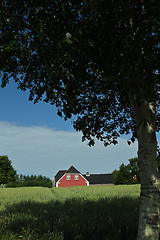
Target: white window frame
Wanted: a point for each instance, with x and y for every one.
(68, 177)
(76, 177)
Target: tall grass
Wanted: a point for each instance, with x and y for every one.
(10, 196)
(78, 213)
(97, 192)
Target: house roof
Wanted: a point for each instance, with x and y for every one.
(72, 170)
(59, 175)
(100, 178)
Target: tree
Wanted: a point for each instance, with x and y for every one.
(128, 174)
(98, 60)
(7, 172)
(123, 175)
(134, 169)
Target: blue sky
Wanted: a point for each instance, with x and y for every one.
(37, 141)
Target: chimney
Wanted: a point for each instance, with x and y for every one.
(87, 174)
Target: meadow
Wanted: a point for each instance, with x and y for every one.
(76, 213)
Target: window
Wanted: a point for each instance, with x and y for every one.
(68, 177)
(76, 177)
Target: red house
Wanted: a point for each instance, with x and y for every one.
(69, 178)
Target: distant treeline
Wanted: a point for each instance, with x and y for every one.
(30, 181)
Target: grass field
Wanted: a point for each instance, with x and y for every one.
(77, 213)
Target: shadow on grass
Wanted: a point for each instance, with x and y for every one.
(114, 219)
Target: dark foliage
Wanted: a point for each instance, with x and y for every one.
(7, 172)
(127, 174)
(30, 181)
(85, 57)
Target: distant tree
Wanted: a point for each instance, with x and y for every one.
(31, 177)
(134, 170)
(7, 172)
(98, 60)
(122, 176)
(21, 178)
(127, 174)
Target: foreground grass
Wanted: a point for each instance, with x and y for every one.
(84, 213)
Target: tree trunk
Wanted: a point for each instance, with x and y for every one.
(149, 219)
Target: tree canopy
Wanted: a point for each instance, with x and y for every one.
(127, 174)
(85, 57)
(98, 60)
(7, 172)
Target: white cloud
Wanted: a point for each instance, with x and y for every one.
(42, 150)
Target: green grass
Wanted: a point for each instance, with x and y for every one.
(10, 196)
(77, 213)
